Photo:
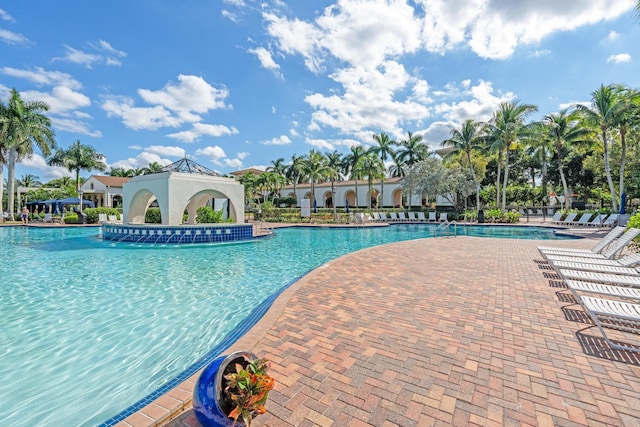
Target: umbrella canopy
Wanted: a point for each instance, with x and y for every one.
(75, 201)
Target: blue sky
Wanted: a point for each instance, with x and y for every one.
(234, 84)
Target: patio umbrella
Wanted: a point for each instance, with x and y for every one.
(346, 205)
(315, 206)
(623, 203)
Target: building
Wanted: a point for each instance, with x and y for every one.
(103, 190)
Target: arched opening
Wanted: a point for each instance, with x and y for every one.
(217, 200)
(397, 198)
(350, 197)
(374, 197)
(140, 202)
(328, 199)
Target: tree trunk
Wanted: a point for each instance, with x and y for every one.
(505, 178)
(356, 193)
(475, 181)
(498, 179)
(11, 181)
(1, 186)
(607, 170)
(623, 159)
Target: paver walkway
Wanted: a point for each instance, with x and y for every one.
(460, 331)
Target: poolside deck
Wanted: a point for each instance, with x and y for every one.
(447, 331)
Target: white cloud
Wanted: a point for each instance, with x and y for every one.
(39, 164)
(480, 106)
(103, 53)
(5, 16)
(12, 38)
(202, 129)
(621, 57)
(167, 151)
(233, 163)
(138, 118)
(613, 35)
(280, 140)
(42, 77)
(140, 161)
(266, 60)
(213, 153)
(321, 144)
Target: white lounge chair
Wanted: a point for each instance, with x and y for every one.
(432, 216)
(383, 217)
(394, 216)
(556, 217)
(584, 219)
(598, 220)
(114, 218)
(102, 218)
(577, 287)
(632, 260)
(596, 268)
(589, 276)
(611, 221)
(569, 219)
(597, 248)
(621, 315)
(412, 216)
(610, 252)
(401, 216)
(421, 216)
(376, 216)
(443, 217)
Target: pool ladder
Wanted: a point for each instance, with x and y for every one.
(446, 225)
(262, 229)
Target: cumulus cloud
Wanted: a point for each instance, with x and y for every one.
(621, 57)
(140, 161)
(212, 152)
(266, 60)
(102, 53)
(202, 129)
(10, 37)
(280, 140)
(480, 102)
(43, 170)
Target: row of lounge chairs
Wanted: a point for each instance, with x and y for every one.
(606, 284)
(409, 217)
(586, 219)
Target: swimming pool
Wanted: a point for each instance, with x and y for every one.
(90, 327)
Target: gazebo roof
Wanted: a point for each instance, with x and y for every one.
(188, 166)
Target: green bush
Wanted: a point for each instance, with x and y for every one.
(93, 213)
(634, 221)
(71, 219)
(152, 216)
(207, 215)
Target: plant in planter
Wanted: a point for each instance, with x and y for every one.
(232, 389)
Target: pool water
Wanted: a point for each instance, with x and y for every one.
(89, 327)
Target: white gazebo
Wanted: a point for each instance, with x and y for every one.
(179, 187)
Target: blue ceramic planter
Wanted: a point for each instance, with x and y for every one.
(207, 395)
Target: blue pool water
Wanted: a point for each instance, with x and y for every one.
(88, 327)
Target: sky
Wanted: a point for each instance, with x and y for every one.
(235, 84)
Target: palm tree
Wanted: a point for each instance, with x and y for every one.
(540, 147)
(76, 158)
(295, 172)
(506, 128)
(603, 113)
(372, 167)
(154, 167)
(351, 161)
(29, 181)
(278, 167)
(628, 117)
(316, 170)
(335, 165)
(384, 150)
(398, 168)
(466, 140)
(412, 150)
(23, 125)
(564, 129)
(122, 172)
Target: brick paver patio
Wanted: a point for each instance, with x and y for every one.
(459, 331)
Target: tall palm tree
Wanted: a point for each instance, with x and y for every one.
(351, 162)
(412, 150)
(278, 166)
(466, 140)
(335, 165)
(628, 117)
(295, 171)
(506, 128)
(603, 113)
(540, 148)
(122, 172)
(78, 157)
(372, 167)
(564, 129)
(29, 181)
(385, 151)
(316, 170)
(154, 167)
(398, 168)
(23, 126)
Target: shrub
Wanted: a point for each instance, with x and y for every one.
(71, 219)
(93, 213)
(207, 215)
(152, 216)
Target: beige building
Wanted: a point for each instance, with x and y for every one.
(103, 190)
